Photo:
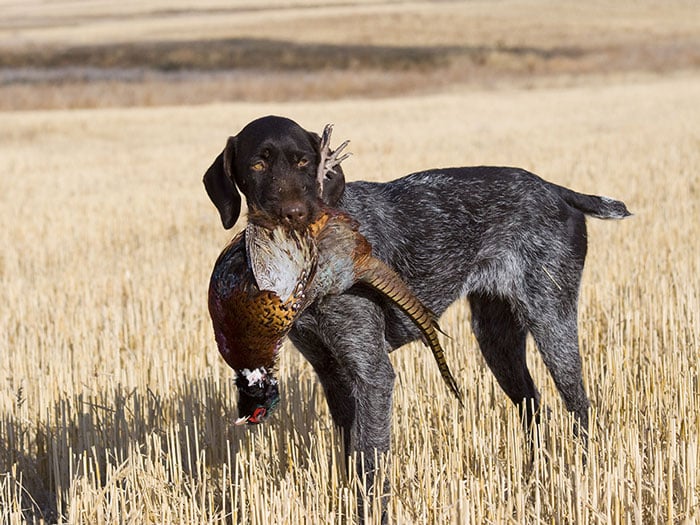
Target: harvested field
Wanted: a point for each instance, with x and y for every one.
(114, 403)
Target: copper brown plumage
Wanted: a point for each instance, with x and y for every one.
(265, 278)
(251, 313)
(250, 320)
(268, 274)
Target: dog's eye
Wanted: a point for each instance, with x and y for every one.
(302, 162)
(258, 166)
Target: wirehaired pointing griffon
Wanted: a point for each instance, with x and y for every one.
(510, 242)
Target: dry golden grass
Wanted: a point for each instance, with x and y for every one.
(114, 403)
(115, 406)
(509, 22)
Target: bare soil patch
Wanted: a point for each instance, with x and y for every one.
(174, 73)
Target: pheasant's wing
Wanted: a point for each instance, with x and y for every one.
(283, 261)
(346, 257)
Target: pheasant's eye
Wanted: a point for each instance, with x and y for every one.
(302, 162)
(258, 166)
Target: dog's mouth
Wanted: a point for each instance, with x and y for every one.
(271, 221)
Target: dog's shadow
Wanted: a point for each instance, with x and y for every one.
(188, 435)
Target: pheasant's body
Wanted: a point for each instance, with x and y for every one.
(266, 277)
(251, 316)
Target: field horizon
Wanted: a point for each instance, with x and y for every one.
(115, 406)
(121, 55)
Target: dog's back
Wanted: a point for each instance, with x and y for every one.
(457, 231)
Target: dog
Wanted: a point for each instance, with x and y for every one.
(510, 242)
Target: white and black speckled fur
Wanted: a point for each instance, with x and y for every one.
(509, 241)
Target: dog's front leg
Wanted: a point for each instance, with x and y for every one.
(343, 339)
(370, 434)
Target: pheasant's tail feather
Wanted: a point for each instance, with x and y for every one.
(383, 279)
(439, 329)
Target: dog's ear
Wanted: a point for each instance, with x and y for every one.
(333, 183)
(221, 188)
(333, 186)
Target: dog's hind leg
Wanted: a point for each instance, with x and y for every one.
(550, 310)
(557, 342)
(502, 339)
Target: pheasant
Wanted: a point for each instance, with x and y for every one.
(265, 278)
(251, 317)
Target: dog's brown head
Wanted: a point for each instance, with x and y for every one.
(273, 161)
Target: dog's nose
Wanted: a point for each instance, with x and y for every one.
(294, 213)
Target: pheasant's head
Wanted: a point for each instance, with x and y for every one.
(258, 395)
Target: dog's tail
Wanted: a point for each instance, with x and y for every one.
(594, 205)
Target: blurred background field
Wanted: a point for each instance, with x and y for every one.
(114, 403)
(93, 54)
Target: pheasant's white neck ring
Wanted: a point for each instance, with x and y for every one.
(257, 376)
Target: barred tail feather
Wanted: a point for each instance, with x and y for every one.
(383, 279)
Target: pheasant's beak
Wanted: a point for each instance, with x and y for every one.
(258, 416)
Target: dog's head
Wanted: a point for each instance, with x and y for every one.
(273, 161)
